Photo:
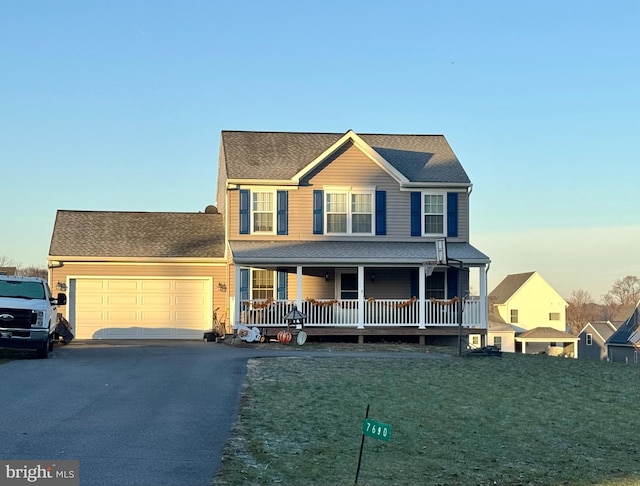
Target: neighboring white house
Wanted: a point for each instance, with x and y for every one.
(525, 302)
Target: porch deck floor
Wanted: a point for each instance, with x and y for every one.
(373, 331)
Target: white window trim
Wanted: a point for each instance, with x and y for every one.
(275, 283)
(274, 222)
(444, 211)
(349, 191)
(589, 339)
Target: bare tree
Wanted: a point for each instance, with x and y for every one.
(624, 292)
(7, 265)
(581, 310)
(7, 262)
(32, 271)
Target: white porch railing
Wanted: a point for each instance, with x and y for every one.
(377, 312)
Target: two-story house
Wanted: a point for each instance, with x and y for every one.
(342, 226)
(529, 316)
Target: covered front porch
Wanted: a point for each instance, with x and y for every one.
(376, 293)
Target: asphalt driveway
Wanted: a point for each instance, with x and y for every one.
(133, 413)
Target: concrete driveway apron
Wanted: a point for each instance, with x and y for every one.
(133, 413)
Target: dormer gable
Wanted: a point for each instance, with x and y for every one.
(351, 136)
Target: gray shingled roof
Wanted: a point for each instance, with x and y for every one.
(546, 333)
(280, 155)
(604, 328)
(347, 252)
(509, 285)
(624, 332)
(137, 234)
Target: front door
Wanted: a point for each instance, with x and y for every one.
(347, 289)
(348, 285)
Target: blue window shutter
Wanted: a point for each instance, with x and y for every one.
(452, 214)
(244, 284)
(452, 283)
(318, 212)
(282, 212)
(244, 211)
(282, 286)
(413, 280)
(416, 214)
(381, 212)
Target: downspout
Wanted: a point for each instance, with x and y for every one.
(59, 264)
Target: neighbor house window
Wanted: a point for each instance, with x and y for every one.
(589, 339)
(349, 212)
(475, 340)
(262, 212)
(554, 316)
(262, 284)
(497, 342)
(514, 316)
(434, 286)
(433, 213)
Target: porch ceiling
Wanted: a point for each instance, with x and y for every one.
(247, 252)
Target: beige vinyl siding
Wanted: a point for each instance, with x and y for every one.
(349, 167)
(390, 283)
(217, 272)
(222, 181)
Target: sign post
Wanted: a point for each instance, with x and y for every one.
(375, 429)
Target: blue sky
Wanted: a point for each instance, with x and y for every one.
(118, 105)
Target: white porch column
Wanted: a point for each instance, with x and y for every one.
(484, 307)
(421, 299)
(360, 297)
(299, 286)
(238, 300)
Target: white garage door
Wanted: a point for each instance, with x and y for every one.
(130, 308)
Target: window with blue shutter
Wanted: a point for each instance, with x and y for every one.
(244, 211)
(381, 212)
(282, 286)
(416, 214)
(318, 214)
(452, 214)
(282, 212)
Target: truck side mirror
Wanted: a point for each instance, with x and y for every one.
(62, 299)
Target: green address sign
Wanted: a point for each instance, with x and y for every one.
(377, 430)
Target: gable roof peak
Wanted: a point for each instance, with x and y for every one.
(418, 159)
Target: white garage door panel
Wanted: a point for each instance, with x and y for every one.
(122, 299)
(123, 308)
(159, 299)
(158, 285)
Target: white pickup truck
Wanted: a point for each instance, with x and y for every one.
(28, 314)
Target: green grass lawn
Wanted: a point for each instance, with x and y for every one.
(515, 420)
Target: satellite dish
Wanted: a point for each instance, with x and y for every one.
(211, 210)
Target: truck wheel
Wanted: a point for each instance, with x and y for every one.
(43, 352)
(50, 346)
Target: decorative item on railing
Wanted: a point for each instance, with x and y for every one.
(397, 305)
(321, 303)
(444, 302)
(259, 305)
